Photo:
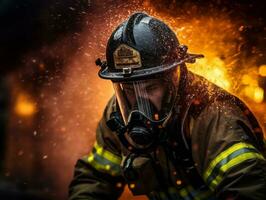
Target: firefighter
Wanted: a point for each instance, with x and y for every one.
(167, 133)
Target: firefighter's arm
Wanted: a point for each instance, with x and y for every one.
(97, 176)
(228, 159)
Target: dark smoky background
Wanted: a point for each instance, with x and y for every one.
(51, 97)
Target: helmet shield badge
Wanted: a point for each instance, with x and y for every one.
(126, 57)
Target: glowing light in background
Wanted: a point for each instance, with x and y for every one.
(262, 70)
(251, 88)
(214, 70)
(25, 106)
(254, 92)
(258, 95)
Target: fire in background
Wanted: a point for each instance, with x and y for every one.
(53, 122)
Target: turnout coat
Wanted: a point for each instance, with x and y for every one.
(213, 130)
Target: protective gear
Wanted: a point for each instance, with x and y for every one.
(145, 105)
(136, 136)
(144, 48)
(154, 98)
(141, 47)
(219, 131)
(194, 160)
(139, 134)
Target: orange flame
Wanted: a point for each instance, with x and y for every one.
(25, 106)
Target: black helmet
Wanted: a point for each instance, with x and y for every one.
(140, 47)
(142, 55)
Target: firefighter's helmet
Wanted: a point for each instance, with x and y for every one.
(141, 47)
(144, 48)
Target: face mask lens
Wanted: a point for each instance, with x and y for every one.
(153, 98)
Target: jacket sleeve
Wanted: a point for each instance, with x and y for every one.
(226, 155)
(97, 176)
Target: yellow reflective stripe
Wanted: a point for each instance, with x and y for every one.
(239, 159)
(102, 168)
(107, 154)
(223, 155)
(104, 161)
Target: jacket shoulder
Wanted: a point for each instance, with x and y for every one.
(218, 126)
(217, 120)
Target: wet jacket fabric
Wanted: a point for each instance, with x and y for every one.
(222, 134)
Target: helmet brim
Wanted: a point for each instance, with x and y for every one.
(137, 74)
